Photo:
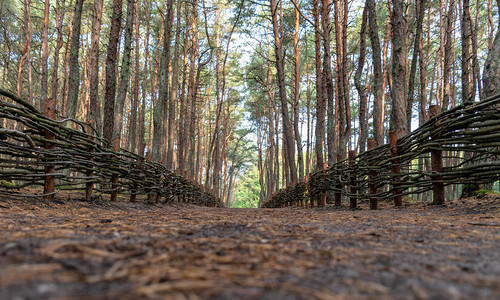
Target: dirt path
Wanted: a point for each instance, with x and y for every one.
(100, 250)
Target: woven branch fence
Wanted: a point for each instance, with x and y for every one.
(37, 149)
(459, 146)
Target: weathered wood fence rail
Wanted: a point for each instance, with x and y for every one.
(38, 150)
(459, 146)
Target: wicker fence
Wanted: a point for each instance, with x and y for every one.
(38, 149)
(459, 146)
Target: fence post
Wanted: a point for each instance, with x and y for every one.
(114, 177)
(338, 184)
(323, 180)
(133, 192)
(89, 185)
(372, 186)
(352, 180)
(150, 195)
(303, 202)
(396, 168)
(49, 181)
(436, 163)
(307, 199)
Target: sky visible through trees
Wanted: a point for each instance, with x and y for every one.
(246, 97)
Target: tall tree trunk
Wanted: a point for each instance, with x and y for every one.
(420, 10)
(491, 72)
(398, 91)
(287, 127)
(448, 52)
(111, 60)
(296, 94)
(60, 9)
(135, 96)
(343, 106)
(45, 56)
(95, 107)
(173, 93)
(160, 106)
(423, 66)
(320, 100)
(125, 70)
(467, 92)
(378, 77)
(74, 67)
(327, 77)
(360, 87)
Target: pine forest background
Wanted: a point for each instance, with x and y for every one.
(249, 96)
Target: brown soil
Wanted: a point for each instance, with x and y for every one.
(73, 249)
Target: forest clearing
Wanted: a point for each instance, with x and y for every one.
(74, 249)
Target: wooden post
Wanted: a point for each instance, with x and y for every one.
(114, 177)
(150, 195)
(372, 186)
(133, 192)
(323, 191)
(353, 201)
(89, 185)
(436, 163)
(338, 185)
(49, 182)
(396, 168)
(303, 202)
(307, 197)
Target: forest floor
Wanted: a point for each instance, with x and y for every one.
(72, 249)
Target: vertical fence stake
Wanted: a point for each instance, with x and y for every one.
(307, 194)
(323, 182)
(372, 186)
(133, 192)
(89, 185)
(436, 163)
(303, 202)
(396, 168)
(114, 177)
(353, 202)
(49, 182)
(149, 191)
(338, 186)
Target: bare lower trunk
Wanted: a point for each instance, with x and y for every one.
(378, 79)
(111, 60)
(95, 107)
(74, 67)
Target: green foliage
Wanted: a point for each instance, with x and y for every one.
(485, 192)
(247, 190)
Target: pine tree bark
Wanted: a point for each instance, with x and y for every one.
(420, 10)
(135, 95)
(111, 60)
(378, 77)
(320, 100)
(95, 107)
(125, 70)
(327, 77)
(173, 92)
(45, 56)
(467, 92)
(74, 67)
(491, 72)
(360, 87)
(296, 94)
(398, 91)
(160, 110)
(287, 127)
(60, 9)
(448, 53)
